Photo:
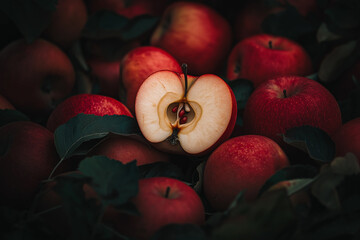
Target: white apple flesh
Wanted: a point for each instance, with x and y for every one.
(180, 113)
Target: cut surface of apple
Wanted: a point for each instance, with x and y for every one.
(188, 113)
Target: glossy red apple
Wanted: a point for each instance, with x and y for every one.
(106, 76)
(36, 76)
(287, 102)
(27, 157)
(126, 149)
(5, 104)
(88, 104)
(243, 163)
(194, 34)
(347, 138)
(185, 114)
(67, 22)
(160, 201)
(140, 63)
(262, 57)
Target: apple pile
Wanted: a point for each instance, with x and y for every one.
(173, 119)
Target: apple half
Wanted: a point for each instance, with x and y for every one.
(184, 114)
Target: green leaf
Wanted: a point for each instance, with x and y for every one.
(242, 89)
(343, 15)
(85, 127)
(316, 142)
(10, 115)
(112, 180)
(180, 232)
(107, 24)
(30, 16)
(337, 61)
(302, 174)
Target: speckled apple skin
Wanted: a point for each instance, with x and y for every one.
(85, 103)
(242, 163)
(347, 138)
(253, 59)
(270, 114)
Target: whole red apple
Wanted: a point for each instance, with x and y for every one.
(5, 104)
(67, 22)
(194, 34)
(88, 104)
(184, 114)
(138, 64)
(126, 149)
(106, 75)
(263, 56)
(36, 76)
(27, 157)
(287, 102)
(347, 138)
(160, 201)
(242, 163)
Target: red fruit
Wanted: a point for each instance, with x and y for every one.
(85, 103)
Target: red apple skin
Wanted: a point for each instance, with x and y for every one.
(194, 34)
(129, 9)
(183, 205)
(67, 22)
(27, 158)
(5, 104)
(241, 163)
(270, 114)
(34, 77)
(140, 63)
(107, 75)
(126, 149)
(253, 59)
(347, 138)
(88, 104)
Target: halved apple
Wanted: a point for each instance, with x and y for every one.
(184, 114)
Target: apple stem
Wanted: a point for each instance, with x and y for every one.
(270, 44)
(284, 91)
(184, 69)
(167, 192)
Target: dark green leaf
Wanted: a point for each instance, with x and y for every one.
(112, 180)
(242, 89)
(108, 24)
(10, 115)
(303, 173)
(85, 127)
(30, 16)
(343, 15)
(180, 232)
(316, 142)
